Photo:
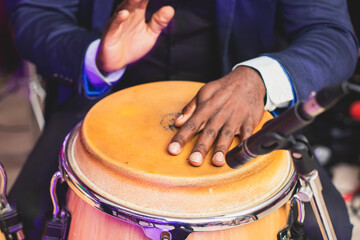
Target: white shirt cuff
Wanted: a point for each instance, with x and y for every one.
(95, 77)
(279, 91)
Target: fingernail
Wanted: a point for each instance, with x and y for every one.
(195, 157)
(218, 158)
(174, 148)
(180, 117)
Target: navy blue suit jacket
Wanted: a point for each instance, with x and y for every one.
(321, 48)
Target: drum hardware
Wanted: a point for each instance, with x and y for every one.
(10, 223)
(296, 230)
(57, 227)
(165, 236)
(296, 201)
(176, 234)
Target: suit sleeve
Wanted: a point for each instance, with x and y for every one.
(48, 34)
(323, 48)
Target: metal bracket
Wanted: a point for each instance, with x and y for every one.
(57, 228)
(10, 223)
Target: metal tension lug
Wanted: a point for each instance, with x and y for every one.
(57, 227)
(284, 234)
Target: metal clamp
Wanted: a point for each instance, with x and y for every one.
(296, 201)
(312, 181)
(10, 223)
(173, 233)
(296, 228)
(57, 228)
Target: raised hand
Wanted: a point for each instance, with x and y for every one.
(232, 105)
(127, 37)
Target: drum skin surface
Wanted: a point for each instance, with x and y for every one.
(121, 153)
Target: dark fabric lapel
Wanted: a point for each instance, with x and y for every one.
(224, 18)
(101, 13)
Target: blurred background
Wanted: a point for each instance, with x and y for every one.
(335, 135)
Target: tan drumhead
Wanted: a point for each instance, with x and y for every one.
(121, 153)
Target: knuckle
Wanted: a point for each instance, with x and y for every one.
(210, 132)
(191, 126)
(180, 139)
(203, 89)
(160, 21)
(248, 130)
(221, 148)
(227, 133)
(201, 148)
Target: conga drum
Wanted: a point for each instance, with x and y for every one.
(123, 184)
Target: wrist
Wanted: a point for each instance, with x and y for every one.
(279, 90)
(253, 77)
(98, 78)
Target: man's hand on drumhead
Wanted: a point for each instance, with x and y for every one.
(232, 105)
(127, 37)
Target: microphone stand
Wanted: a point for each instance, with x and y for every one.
(311, 188)
(278, 134)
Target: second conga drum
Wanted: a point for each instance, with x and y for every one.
(124, 184)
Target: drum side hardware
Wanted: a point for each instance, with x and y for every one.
(10, 223)
(296, 229)
(57, 228)
(296, 201)
(165, 236)
(179, 233)
(155, 233)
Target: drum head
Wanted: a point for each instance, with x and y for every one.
(120, 153)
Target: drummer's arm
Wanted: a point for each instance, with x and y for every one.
(126, 38)
(323, 47)
(97, 82)
(48, 34)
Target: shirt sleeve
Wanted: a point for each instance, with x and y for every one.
(279, 89)
(96, 83)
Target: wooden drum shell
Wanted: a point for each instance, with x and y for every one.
(90, 223)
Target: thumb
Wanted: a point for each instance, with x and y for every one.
(187, 112)
(117, 19)
(160, 19)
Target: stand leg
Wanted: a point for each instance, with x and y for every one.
(318, 205)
